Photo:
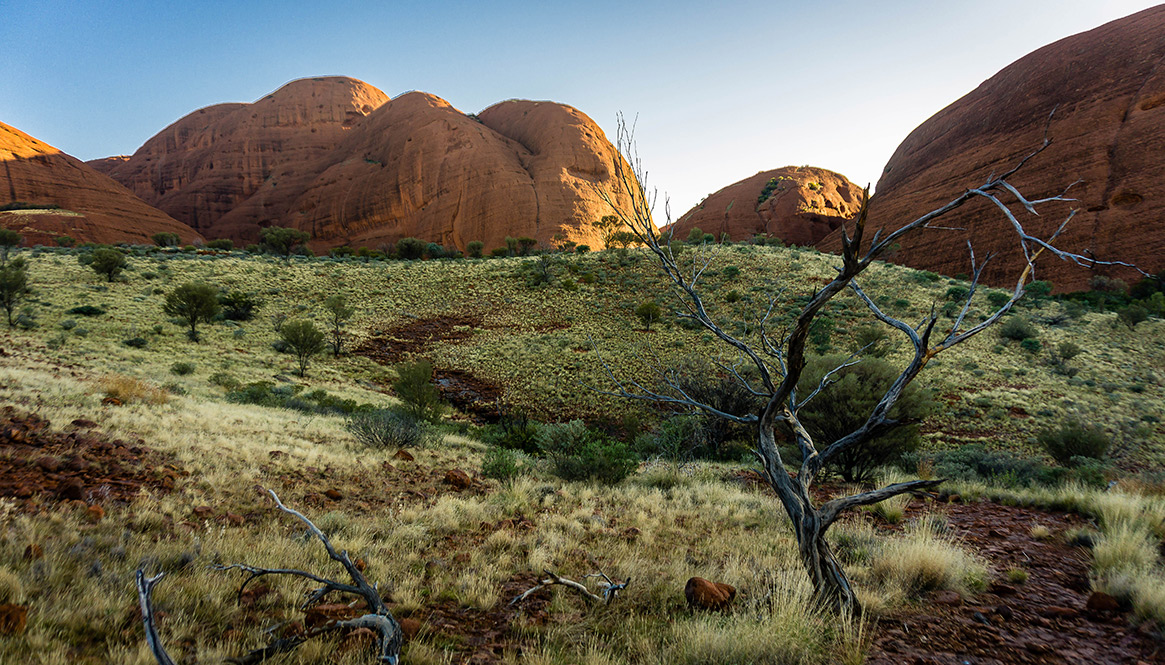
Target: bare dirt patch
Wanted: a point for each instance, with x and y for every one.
(469, 393)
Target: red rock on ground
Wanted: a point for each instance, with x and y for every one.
(13, 619)
(458, 479)
(1108, 88)
(92, 207)
(322, 614)
(706, 595)
(803, 206)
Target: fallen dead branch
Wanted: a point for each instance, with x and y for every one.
(608, 587)
(377, 617)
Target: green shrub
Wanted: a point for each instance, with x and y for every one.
(384, 429)
(648, 312)
(108, 262)
(281, 241)
(1074, 439)
(290, 396)
(182, 368)
(194, 303)
(514, 430)
(66, 241)
(1132, 315)
(501, 464)
(410, 249)
(166, 239)
(136, 342)
(475, 247)
(578, 453)
(86, 310)
(1068, 350)
(414, 387)
(1031, 345)
(844, 405)
(239, 306)
(224, 380)
(302, 339)
(1017, 328)
(222, 244)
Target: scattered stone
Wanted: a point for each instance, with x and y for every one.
(1004, 612)
(403, 455)
(84, 423)
(72, 489)
(703, 594)
(48, 464)
(254, 594)
(33, 552)
(203, 512)
(234, 519)
(948, 598)
(1057, 612)
(95, 513)
(458, 479)
(276, 454)
(334, 494)
(1001, 589)
(324, 614)
(13, 619)
(1100, 601)
(410, 628)
(111, 401)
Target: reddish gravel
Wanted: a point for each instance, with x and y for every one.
(1045, 620)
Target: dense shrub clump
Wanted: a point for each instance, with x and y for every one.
(578, 453)
(1073, 441)
(387, 429)
(266, 393)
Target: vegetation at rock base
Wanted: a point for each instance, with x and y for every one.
(242, 418)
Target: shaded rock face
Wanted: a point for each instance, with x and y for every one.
(372, 171)
(801, 206)
(93, 208)
(214, 160)
(1108, 88)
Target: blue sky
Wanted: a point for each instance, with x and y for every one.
(721, 90)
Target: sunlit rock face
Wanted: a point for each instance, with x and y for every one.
(90, 207)
(798, 204)
(337, 158)
(1107, 87)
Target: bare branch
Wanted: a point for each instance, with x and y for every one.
(833, 509)
(145, 590)
(606, 594)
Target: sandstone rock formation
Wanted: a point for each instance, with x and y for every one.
(1108, 88)
(211, 161)
(336, 158)
(91, 207)
(801, 206)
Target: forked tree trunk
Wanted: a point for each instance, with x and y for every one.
(830, 584)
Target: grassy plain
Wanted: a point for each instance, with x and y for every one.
(452, 558)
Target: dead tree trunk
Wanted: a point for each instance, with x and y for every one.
(778, 360)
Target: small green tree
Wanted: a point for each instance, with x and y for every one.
(166, 239)
(304, 340)
(338, 314)
(414, 387)
(8, 240)
(13, 286)
(410, 249)
(109, 262)
(282, 241)
(525, 245)
(649, 312)
(475, 248)
(193, 302)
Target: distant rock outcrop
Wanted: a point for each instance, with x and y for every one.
(65, 197)
(798, 204)
(1108, 132)
(363, 170)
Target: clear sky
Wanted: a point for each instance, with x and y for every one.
(721, 90)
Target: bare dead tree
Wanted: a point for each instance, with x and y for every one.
(775, 361)
(377, 617)
(607, 591)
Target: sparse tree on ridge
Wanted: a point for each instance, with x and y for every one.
(108, 262)
(775, 360)
(13, 286)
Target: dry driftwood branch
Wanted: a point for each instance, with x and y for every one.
(377, 618)
(609, 588)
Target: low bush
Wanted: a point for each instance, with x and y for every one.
(1074, 439)
(514, 430)
(384, 429)
(86, 310)
(1017, 328)
(501, 464)
(414, 387)
(290, 396)
(578, 453)
(127, 389)
(136, 342)
(239, 306)
(182, 368)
